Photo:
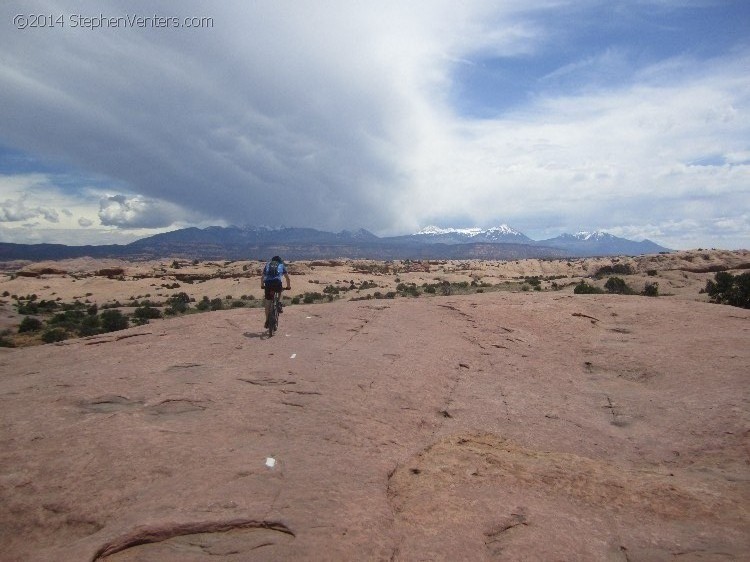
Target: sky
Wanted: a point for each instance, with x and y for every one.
(119, 120)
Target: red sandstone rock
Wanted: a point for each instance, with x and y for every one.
(499, 426)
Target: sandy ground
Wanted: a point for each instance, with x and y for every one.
(495, 426)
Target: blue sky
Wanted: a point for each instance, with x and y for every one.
(551, 116)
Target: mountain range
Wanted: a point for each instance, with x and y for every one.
(215, 242)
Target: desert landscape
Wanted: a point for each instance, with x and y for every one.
(431, 410)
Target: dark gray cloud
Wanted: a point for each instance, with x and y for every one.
(249, 121)
(339, 115)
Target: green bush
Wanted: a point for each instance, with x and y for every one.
(29, 324)
(70, 319)
(113, 320)
(651, 290)
(52, 335)
(89, 326)
(147, 312)
(730, 289)
(204, 304)
(617, 286)
(584, 288)
(5, 340)
(614, 269)
(217, 304)
(178, 304)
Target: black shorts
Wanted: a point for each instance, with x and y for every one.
(273, 286)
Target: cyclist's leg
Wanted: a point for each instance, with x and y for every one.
(268, 302)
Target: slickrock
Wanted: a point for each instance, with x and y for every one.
(497, 426)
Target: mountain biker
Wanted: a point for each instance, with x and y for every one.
(271, 281)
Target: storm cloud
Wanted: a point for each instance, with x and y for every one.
(383, 115)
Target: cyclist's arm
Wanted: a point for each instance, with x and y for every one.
(288, 281)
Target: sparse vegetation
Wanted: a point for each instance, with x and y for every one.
(729, 289)
(614, 269)
(29, 324)
(651, 290)
(113, 320)
(584, 288)
(5, 340)
(617, 285)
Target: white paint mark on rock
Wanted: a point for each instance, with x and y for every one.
(270, 462)
(293, 356)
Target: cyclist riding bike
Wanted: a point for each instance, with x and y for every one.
(270, 281)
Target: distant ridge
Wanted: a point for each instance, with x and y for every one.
(215, 242)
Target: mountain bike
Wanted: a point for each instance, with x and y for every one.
(273, 318)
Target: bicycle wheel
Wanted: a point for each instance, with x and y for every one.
(273, 319)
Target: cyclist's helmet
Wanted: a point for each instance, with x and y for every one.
(277, 259)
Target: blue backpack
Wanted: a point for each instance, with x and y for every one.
(271, 271)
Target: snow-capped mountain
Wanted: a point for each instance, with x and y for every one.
(215, 242)
(600, 243)
(495, 234)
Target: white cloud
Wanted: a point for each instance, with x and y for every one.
(135, 212)
(17, 210)
(338, 115)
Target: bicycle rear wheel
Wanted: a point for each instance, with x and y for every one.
(273, 319)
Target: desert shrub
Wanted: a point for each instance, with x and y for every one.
(70, 319)
(5, 340)
(27, 307)
(217, 304)
(113, 320)
(92, 310)
(203, 304)
(533, 281)
(617, 286)
(309, 298)
(295, 300)
(178, 303)
(147, 312)
(238, 304)
(614, 269)
(584, 288)
(730, 289)
(407, 290)
(430, 289)
(651, 290)
(29, 324)
(89, 326)
(652, 273)
(52, 335)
